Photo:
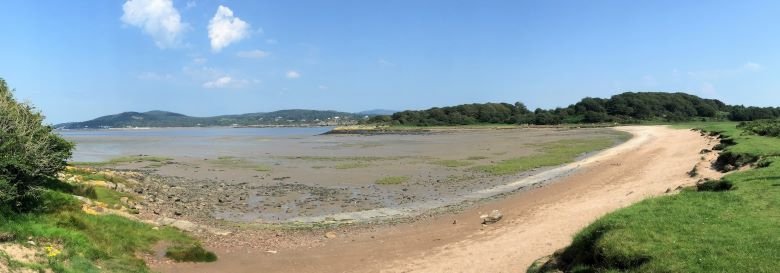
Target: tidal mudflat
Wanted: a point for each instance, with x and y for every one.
(299, 175)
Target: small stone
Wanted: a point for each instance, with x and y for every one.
(493, 217)
(330, 235)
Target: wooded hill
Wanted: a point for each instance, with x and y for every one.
(623, 108)
(169, 119)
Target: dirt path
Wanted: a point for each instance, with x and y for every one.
(536, 223)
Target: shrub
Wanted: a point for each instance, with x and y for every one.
(194, 253)
(714, 185)
(29, 150)
(761, 127)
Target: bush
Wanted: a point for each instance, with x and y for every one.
(29, 150)
(194, 253)
(714, 185)
(761, 127)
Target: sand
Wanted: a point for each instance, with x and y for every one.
(536, 222)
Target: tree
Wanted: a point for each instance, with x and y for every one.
(29, 151)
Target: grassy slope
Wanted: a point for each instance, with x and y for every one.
(729, 231)
(87, 243)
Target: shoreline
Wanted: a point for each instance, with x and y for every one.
(442, 242)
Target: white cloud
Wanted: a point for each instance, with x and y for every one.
(191, 4)
(199, 60)
(225, 82)
(152, 76)
(253, 54)
(157, 18)
(225, 29)
(323, 87)
(292, 74)
(384, 62)
(716, 74)
(751, 66)
(271, 41)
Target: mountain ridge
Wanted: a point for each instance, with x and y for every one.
(160, 118)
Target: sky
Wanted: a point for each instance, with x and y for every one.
(77, 60)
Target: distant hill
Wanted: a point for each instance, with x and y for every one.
(378, 112)
(292, 117)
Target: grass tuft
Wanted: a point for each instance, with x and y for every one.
(194, 253)
(452, 163)
(392, 180)
(552, 154)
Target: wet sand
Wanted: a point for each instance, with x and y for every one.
(314, 178)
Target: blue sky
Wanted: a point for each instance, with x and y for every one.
(76, 60)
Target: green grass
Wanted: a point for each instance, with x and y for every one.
(452, 163)
(392, 180)
(86, 242)
(89, 243)
(476, 157)
(156, 160)
(351, 165)
(551, 154)
(194, 253)
(235, 162)
(339, 158)
(710, 230)
(110, 197)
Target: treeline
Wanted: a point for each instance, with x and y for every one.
(623, 108)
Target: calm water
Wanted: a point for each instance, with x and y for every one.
(100, 145)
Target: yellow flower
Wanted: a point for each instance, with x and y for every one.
(51, 251)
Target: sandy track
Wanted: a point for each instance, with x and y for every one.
(536, 223)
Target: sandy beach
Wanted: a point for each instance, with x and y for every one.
(536, 222)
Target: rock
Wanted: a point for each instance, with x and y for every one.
(6, 237)
(271, 251)
(124, 200)
(330, 235)
(493, 217)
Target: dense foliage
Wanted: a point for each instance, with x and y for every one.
(768, 127)
(29, 150)
(623, 108)
(169, 119)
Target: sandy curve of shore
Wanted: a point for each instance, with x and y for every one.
(532, 179)
(536, 222)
